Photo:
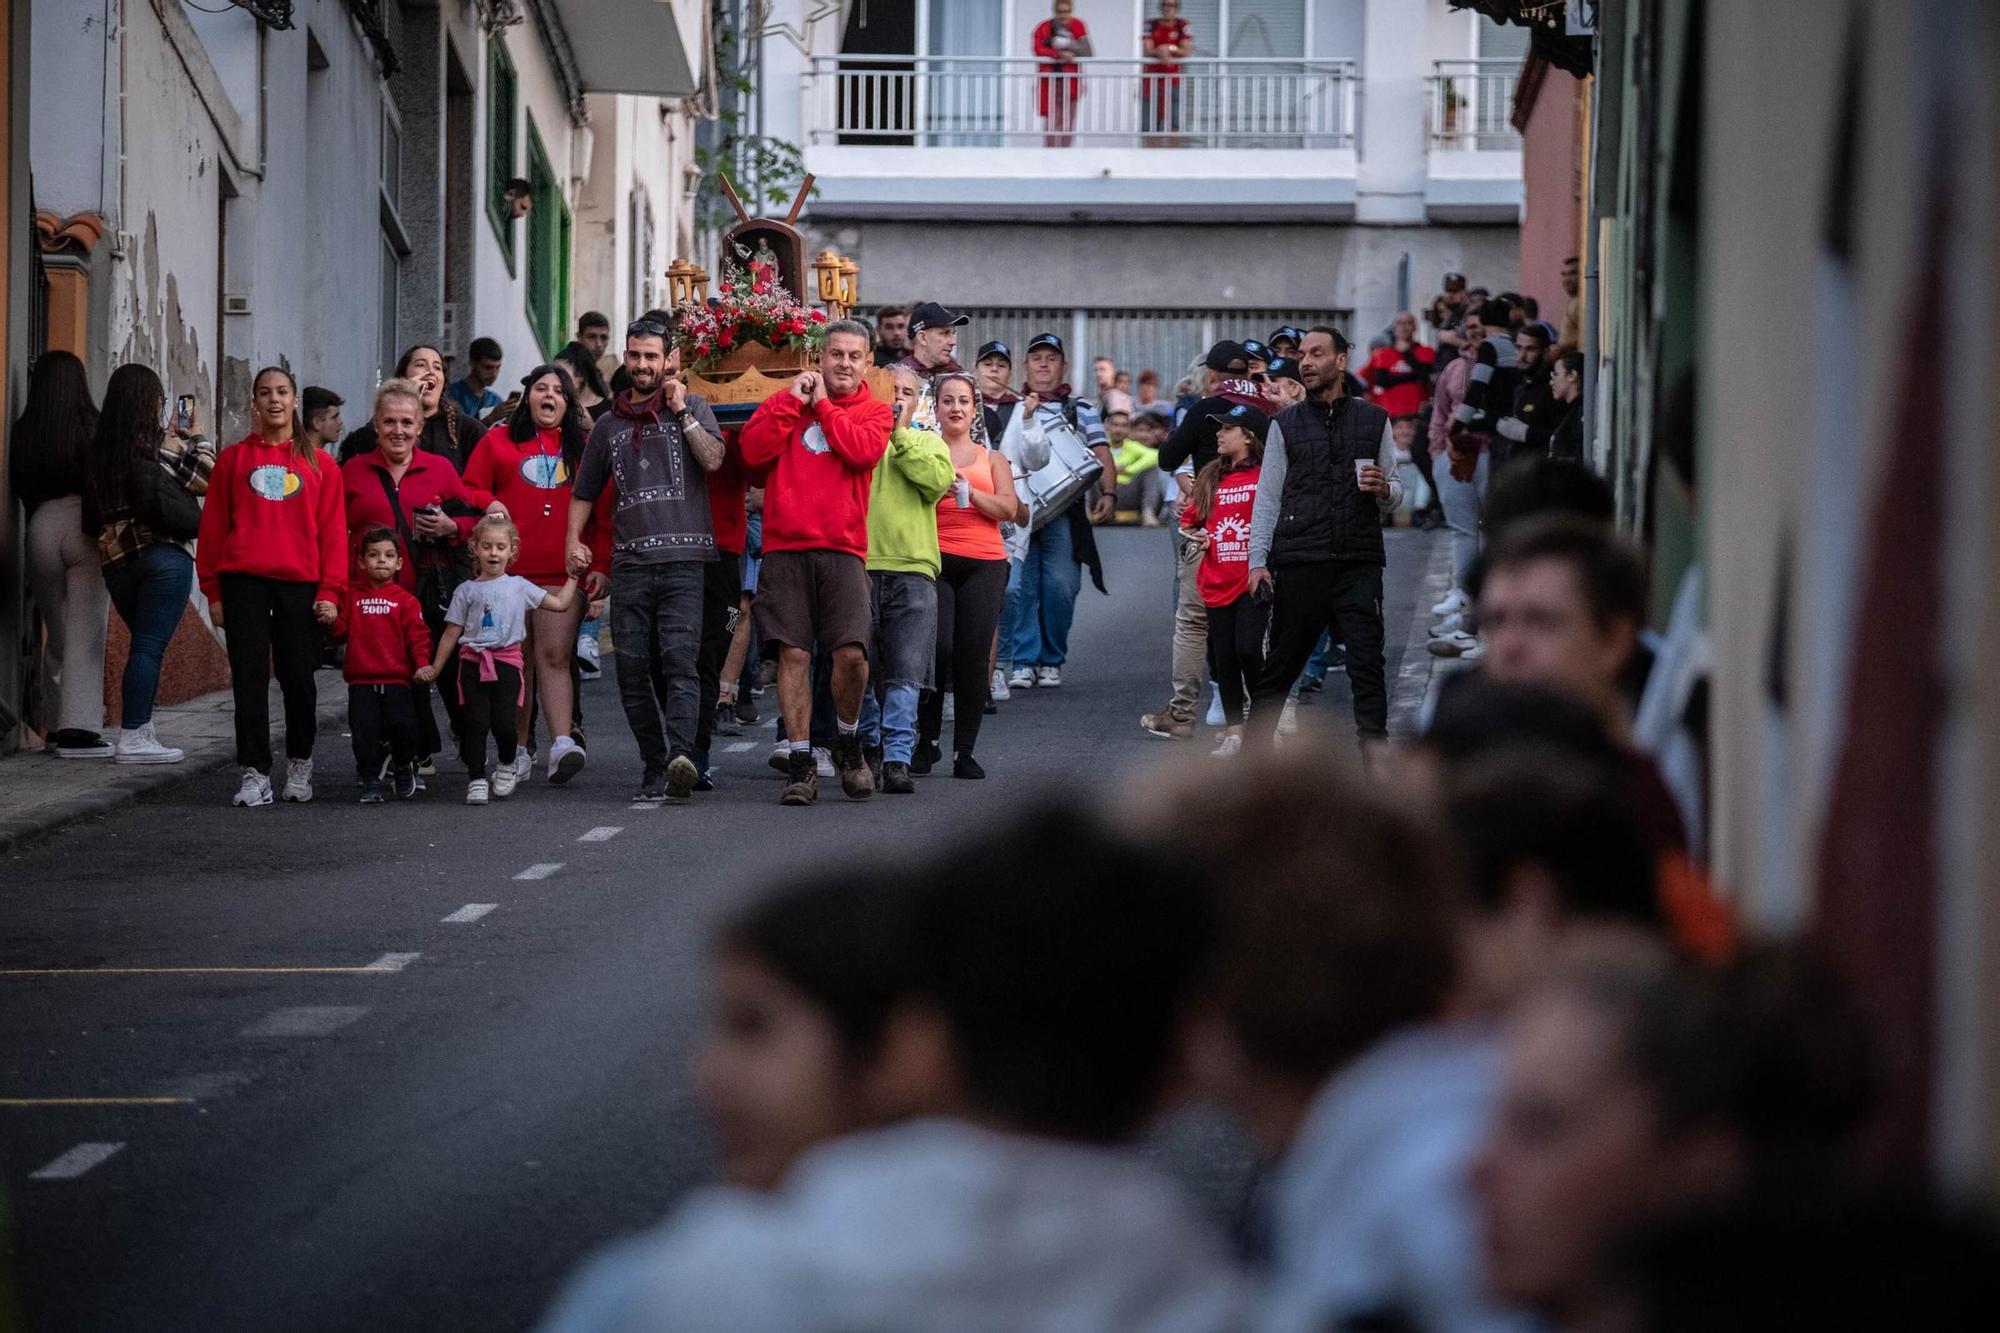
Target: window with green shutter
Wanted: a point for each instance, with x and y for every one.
(548, 250)
(502, 99)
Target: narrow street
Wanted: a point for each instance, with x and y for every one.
(400, 1067)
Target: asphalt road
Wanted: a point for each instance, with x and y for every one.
(368, 1113)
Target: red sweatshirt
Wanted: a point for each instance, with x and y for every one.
(532, 480)
(726, 488)
(819, 462)
(385, 633)
(269, 515)
(1225, 566)
(428, 480)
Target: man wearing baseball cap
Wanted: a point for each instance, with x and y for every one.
(1285, 340)
(933, 340)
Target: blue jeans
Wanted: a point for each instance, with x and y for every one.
(1049, 579)
(892, 722)
(150, 590)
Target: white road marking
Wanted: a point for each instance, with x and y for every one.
(469, 912)
(738, 747)
(540, 870)
(76, 1161)
(392, 962)
(307, 1021)
(605, 834)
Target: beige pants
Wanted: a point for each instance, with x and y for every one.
(1190, 635)
(67, 584)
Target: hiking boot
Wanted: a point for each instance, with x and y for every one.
(855, 778)
(1168, 726)
(682, 776)
(896, 779)
(803, 789)
(873, 754)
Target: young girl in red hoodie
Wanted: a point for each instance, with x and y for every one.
(528, 464)
(387, 644)
(273, 559)
(1218, 515)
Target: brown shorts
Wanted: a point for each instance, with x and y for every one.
(813, 598)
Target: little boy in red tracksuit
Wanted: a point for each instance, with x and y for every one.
(386, 643)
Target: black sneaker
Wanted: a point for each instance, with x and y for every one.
(746, 711)
(725, 721)
(652, 787)
(706, 782)
(896, 779)
(992, 709)
(926, 757)
(855, 778)
(803, 789)
(371, 792)
(682, 776)
(873, 753)
(963, 765)
(406, 782)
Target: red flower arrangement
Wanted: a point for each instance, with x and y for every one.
(751, 305)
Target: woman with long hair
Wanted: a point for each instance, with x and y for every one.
(141, 485)
(1217, 517)
(447, 430)
(273, 561)
(592, 393)
(528, 464)
(46, 460)
(972, 575)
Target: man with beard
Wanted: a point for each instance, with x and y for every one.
(892, 334)
(655, 448)
(818, 444)
(1329, 477)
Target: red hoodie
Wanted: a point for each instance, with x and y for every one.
(428, 480)
(819, 462)
(727, 486)
(385, 633)
(532, 480)
(270, 515)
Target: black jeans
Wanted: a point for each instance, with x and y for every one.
(970, 593)
(721, 594)
(378, 713)
(1344, 596)
(656, 633)
(491, 708)
(269, 623)
(1236, 652)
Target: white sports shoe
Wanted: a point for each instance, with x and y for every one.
(1452, 602)
(1230, 746)
(823, 760)
(1288, 720)
(524, 764)
(1214, 716)
(475, 792)
(1022, 679)
(586, 650)
(565, 759)
(298, 780)
(1449, 624)
(1000, 694)
(256, 789)
(1048, 677)
(140, 746)
(506, 777)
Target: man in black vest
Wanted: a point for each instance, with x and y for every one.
(1316, 538)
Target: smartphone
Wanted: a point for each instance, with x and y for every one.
(184, 411)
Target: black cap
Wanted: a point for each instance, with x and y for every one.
(1227, 356)
(1284, 368)
(1454, 282)
(1245, 416)
(995, 348)
(1256, 351)
(931, 315)
(1289, 334)
(1048, 340)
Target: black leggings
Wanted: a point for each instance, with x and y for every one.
(970, 593)
(269, 623)
(490, 707)
(1236, 652)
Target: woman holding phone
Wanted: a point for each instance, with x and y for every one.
(972, 575)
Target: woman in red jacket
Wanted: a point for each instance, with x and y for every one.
(273, 559)
(1060, 40)
(527, 464)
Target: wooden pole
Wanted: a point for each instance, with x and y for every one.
(729, 193)
(800, 202)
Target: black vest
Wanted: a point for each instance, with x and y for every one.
(1323, 514)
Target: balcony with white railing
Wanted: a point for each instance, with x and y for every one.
(996, 137)
(1474, 163)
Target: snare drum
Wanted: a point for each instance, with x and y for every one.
(1072, 470)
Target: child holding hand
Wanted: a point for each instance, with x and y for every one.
(387, 645)
(486, 624)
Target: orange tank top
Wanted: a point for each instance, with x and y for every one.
(967, 532)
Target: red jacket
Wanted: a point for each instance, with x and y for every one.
(726, 488)
(819, 462)
(1399, 393)
(532, 480)
(270, 515)
(429, 479)
(385, 633)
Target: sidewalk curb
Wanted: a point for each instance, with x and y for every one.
(1413, 680)
(133, 781)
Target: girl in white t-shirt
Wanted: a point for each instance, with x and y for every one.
(486, 625)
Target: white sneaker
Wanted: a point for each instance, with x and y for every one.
(781, 756)
(823, 760)
(1452, 602)
(1456, 644)
(524, 764)
(999, 691)
(950, 707)
(1450, 624)
(506, 777)
(475, 792)
(586, 650)
(140, 746)
(298, 780)
(1230, 746)
(1022, 679)
(1288, 721)
(256, 789)
(1214, 716)
(565, 759)
(1048, 677)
